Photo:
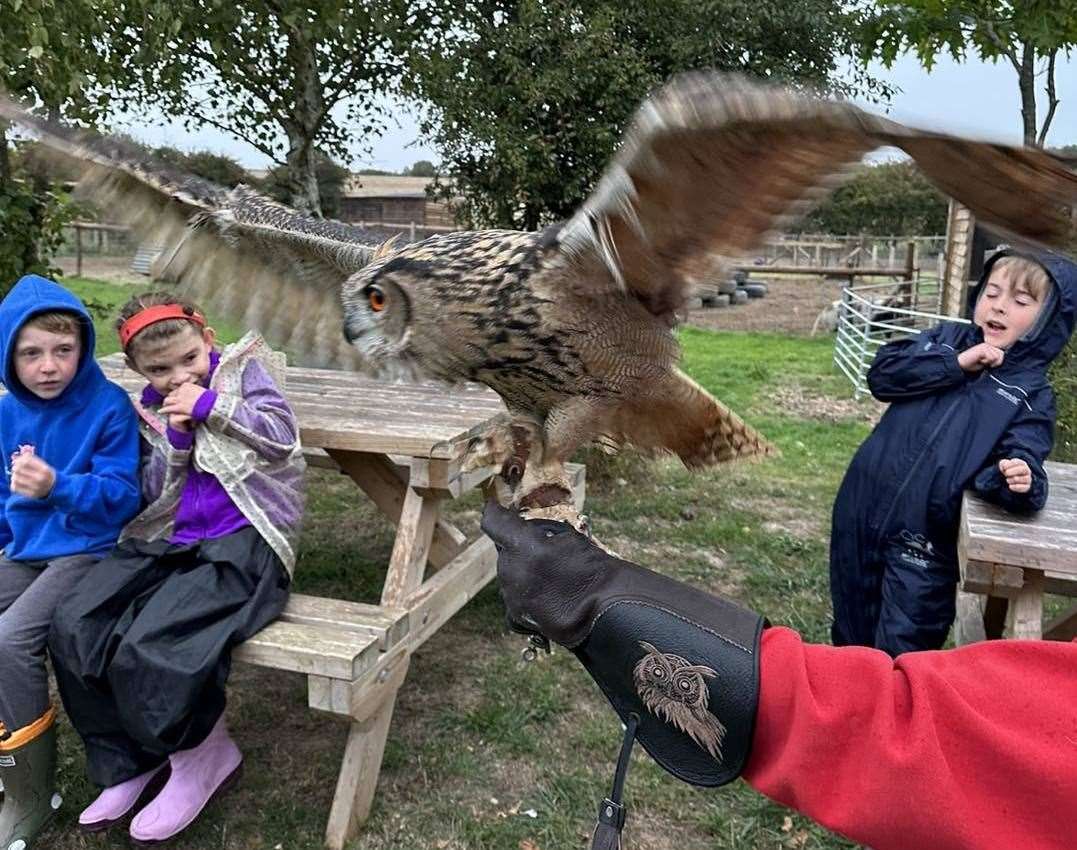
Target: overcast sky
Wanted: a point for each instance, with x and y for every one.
(975, 99)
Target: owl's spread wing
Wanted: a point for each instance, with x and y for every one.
(240, 255)
(713, 163)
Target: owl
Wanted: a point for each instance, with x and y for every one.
(676, 692)
(573, 326)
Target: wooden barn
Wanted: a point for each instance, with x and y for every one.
(393, 199)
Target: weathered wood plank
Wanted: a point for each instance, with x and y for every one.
(359, 698)
(1043, 541)
(334, 653)
(345, 411)
(1026, 609)
(991, 579)
(449, 589)
(388, 625)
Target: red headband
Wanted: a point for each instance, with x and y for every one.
(151, 315)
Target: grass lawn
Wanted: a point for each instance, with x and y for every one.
(486, 751)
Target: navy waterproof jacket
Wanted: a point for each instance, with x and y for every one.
(945, 431)
(88, 434)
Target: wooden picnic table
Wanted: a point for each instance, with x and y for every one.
(1013, 560)
(402, 444)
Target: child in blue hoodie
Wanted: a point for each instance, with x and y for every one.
(69, 442)
(970, 407)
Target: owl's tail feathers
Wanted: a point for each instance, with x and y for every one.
(678, 415)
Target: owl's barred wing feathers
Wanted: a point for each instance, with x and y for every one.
(677, 415)
(241, 255)
(713, 163)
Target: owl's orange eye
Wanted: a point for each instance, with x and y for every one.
(377, 299)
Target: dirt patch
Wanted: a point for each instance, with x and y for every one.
(790, 305)
(795, 400)
(112, 269)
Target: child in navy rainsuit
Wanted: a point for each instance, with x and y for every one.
(971, 407)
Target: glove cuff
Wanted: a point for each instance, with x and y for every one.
(688, 667)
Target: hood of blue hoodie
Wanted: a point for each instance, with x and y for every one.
(29, 297)
(1037, 353)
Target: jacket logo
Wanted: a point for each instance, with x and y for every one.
(1007, 395)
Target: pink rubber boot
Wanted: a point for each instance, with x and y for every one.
(114, 804)
(198, 775)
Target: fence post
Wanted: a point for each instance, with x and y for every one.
(411, 231)
(78, 251)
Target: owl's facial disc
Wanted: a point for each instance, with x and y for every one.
(375, 317)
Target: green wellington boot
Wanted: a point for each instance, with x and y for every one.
(28, 771)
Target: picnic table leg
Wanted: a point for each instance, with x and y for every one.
(358, 775)
(418, 517)
(385, 483)
(1026, 610)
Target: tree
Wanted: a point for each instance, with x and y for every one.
(51, 56)
(887, 199)
(215, 167)
(422, 168)
(526, 99)
(269, 70)
(1028, 34)
(330, 176)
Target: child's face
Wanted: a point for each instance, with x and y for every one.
(180, 359)
(46, 362)
(1005, 312)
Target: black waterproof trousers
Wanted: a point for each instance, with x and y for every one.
(142, 646)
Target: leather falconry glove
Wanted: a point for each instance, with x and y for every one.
(679, 666)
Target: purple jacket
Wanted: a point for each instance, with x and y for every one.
(205, 508)
(242, 463)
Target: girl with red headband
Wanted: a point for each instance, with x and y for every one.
(142, 647)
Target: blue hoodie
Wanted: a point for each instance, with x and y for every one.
(88, 435)
(897, 511)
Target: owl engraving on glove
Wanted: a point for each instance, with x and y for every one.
(676, 692)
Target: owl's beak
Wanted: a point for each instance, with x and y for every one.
(350, 333)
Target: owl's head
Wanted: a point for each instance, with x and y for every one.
(378, 309)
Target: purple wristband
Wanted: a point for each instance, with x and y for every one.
(201, 410)
(182, 440)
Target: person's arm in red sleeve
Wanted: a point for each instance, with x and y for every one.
(966, 749)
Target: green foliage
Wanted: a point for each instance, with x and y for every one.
(1026, 34)
(331, 178)
(526, 99)
(53, 53)
(1064, 381)
(889, 199)
(286, 77)
(32, 216)
(215, 167)
(422, 168)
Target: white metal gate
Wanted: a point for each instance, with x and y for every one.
(872, 315)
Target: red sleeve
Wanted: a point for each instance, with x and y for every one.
(965, 749)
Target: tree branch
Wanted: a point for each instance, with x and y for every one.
(1006, 49)
(233, 131)
(1052, 99)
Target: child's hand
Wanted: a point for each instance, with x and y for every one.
(980, 357)
(30, 475)
(179, 422)
(182, 400)
(1017, 474)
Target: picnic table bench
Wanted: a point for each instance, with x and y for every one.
(403, 446)
(1013, 560)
